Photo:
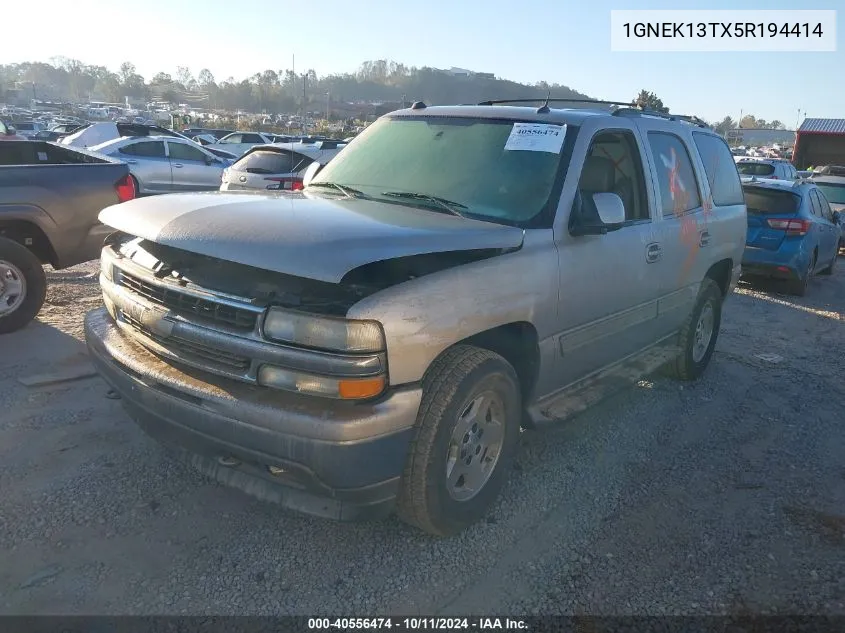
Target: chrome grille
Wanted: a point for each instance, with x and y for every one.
(191, 350)
(188, 305)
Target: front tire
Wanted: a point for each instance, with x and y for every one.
(23, 286)
(697, 338)
(466, 438)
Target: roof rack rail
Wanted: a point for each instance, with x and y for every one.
(630, 110)
(555, 100)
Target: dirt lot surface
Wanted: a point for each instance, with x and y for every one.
(724, 496)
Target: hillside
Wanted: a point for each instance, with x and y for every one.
(269, 91)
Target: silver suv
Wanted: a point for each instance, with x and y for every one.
(376, 341)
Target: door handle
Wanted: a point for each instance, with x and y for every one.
(653, 252)
(176, 164)
(704, 238)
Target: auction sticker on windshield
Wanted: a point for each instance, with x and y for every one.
(536, 137)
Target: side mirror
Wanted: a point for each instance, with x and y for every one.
(210, 160)
(610, 208)
(10, 130)
(836, 217)
(310, 172)
(596, 214)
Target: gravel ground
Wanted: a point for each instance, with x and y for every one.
(724, 496)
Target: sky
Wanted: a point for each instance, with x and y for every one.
(545, 40)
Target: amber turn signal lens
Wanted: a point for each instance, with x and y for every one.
(359, 389)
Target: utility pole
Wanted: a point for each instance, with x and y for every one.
(328, 102)
(303, 113)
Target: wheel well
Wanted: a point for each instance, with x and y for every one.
(518, 344)
(720, 272)
(32, 237)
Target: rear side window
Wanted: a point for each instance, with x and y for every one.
(815, 205)
(678, 186)
(265, 162)
(755, 169)
(251, 138)
(721, 170)
(147, 149)
(762, 201)
(824, 207)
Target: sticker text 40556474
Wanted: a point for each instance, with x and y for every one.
(536, 137)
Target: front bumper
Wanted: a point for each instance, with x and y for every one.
(339, 460)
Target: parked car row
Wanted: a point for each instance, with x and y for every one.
(165, 164)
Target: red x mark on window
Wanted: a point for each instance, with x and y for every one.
(616, 163)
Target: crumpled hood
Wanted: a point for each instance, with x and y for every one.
(302, 235)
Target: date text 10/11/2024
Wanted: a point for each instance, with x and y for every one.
(417, 624)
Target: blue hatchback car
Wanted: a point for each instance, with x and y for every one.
(792, 232)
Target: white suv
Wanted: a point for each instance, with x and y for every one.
(774, 168)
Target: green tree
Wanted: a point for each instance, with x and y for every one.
(649, 101)
(724, 125)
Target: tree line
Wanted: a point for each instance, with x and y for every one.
(283, 91)
(650, 101)
(270, 91)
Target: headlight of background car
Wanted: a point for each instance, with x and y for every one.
(339, 335)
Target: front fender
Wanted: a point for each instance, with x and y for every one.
(425, 316)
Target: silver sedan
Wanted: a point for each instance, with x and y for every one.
(166, 164)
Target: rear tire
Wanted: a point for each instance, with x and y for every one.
(469, 393)
(798, 287)
(23, 286)
(829, 269)
(697, 337)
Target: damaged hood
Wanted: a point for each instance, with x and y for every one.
(307, 236)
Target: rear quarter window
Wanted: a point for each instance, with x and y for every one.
(762, 201)
(719, 164)
(755, 169)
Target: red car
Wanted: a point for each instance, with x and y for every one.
(8, 134)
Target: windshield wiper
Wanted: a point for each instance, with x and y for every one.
(349, 192)
(447, 205)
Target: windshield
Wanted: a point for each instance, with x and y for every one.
(834, 193)
(770, 201)
(472, 164)
(755, 169)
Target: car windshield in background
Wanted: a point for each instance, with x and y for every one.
(834, 193)
(770, 201)
(479, 166)
(755, 169)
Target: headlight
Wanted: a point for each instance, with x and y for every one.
(340, 388)
(340, 335)
(106, 263)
